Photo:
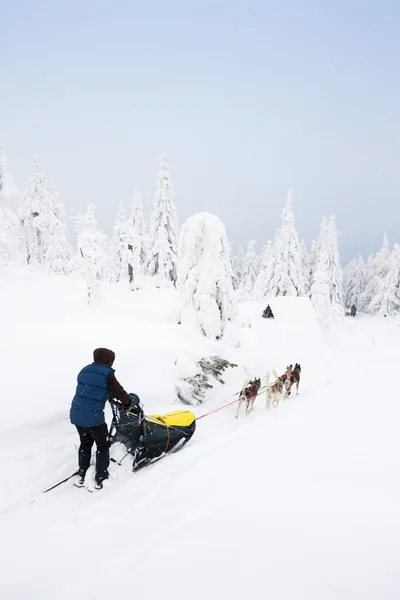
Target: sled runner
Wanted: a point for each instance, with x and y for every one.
(149, 438)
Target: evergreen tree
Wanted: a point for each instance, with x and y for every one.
(32, 205)
(232, 257)
(90, 259)
(328, 243)
(377, 269)
(139, 231)
(265, 273)
(287, 277)
(335, 271)
(320, 293)
(238, 264)
(207, 298)
(388, 294)
(162, 260)
(118, 268)
(354, 283)
(305, 261)
(191, 390)
(315, 249)
(41, 214)
(56, 246)
(251, 268)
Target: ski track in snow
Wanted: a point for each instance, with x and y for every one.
(299, 502)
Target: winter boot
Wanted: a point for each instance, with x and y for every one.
(100, 477)
(80, 482)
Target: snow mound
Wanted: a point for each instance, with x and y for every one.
(294, 311)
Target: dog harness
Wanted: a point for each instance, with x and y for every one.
(250, 391)
(279, 384)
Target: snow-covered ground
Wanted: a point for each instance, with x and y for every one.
(298, 502)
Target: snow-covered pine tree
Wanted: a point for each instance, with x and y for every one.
(376, 271)
(235, 282)
(41, 214)
(320, 293)
(57, 249)
(32, 205)
(287, 277)
(314, 250)
(305, 260)
(139, 231)
(162, 258)
(192, 389)
(238, 263)
(388, 294)
(207, 298)
(118, 268)
(137, 240)
(8, 219)
(251, 268)
(366, 298)
(265, 273)
(327, 282)
(354, 283)
(90, 258)
(335, 271)
(328, 241)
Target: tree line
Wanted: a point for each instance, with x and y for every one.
(197, 258)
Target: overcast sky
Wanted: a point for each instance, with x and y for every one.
(249, 98)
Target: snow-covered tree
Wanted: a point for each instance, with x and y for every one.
(41, 215)
(56, 245)
(265, 273)
(207, 298)
(59, 249)
(327, 277)
(238, 264)
(354, 283)
(8, 219)
(376, 271)
(117, 267)
(388, 294)
(287, 277)
(162, 258)
(251, 268)
(31, 206)
(235, 281)
(90, 258)
(335, 271)
(320, 295)
(305, 261)
(328, 242)
(139, 231)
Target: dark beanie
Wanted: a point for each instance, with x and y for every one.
(104, 356)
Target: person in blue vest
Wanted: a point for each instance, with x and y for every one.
(96, 384)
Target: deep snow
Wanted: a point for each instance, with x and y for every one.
(298, 502)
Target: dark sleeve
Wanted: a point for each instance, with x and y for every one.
(117, 391)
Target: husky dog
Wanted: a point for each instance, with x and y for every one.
(274, 391)
(293, 379)
(248, 394)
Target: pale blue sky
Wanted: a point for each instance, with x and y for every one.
(249, 97)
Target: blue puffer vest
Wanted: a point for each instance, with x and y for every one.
(87, 409)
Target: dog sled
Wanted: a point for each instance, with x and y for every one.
(150, 438)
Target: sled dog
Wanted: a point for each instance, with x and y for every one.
(293, 379)
(274, 391)
(248, 395)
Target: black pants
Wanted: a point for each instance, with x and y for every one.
(89, 435)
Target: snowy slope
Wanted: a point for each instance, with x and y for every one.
(297, 502)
